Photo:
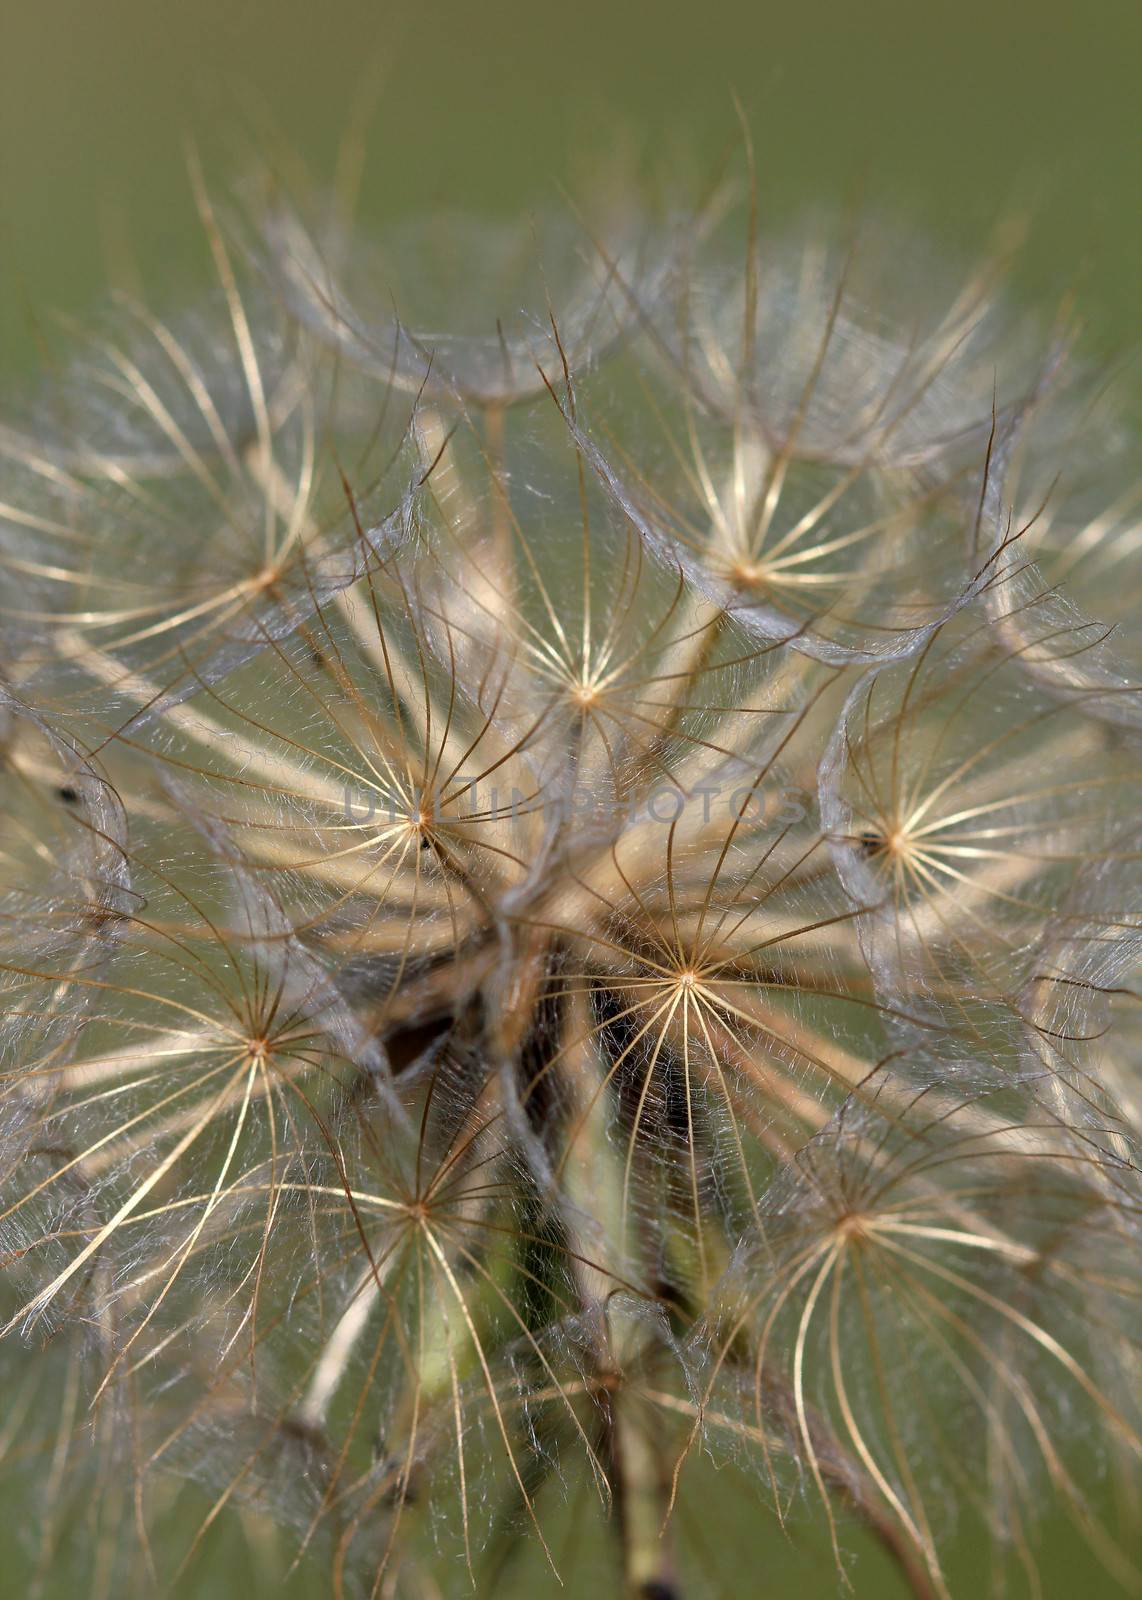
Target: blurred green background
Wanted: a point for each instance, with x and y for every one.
(952, 114)
(955, 111)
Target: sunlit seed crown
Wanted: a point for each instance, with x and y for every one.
(568, 910)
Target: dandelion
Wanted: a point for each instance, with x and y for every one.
(461, 308)
(808, 465)
(908, 1250)
(963, 799)
(176, 504)
(567, 917)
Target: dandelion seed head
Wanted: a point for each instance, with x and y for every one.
(567, 906)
